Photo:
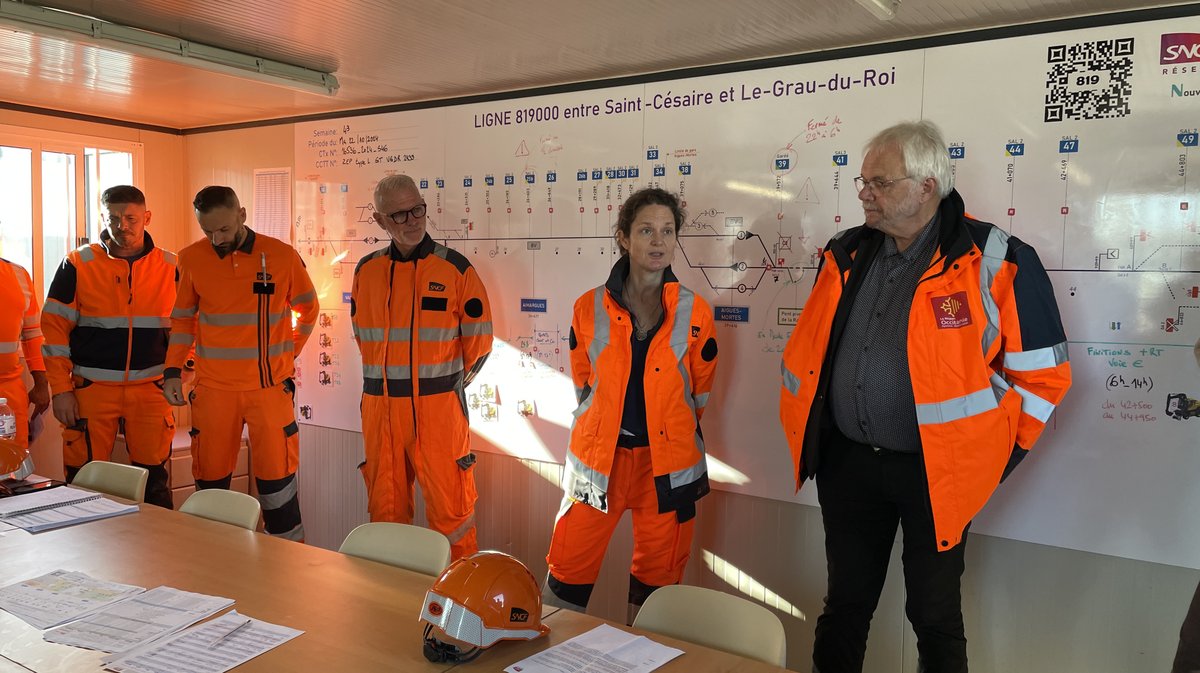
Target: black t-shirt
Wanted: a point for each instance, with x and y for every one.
(634, 432)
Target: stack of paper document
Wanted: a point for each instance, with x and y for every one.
(58, 507)
(138, 619)
(212, 647)
(61, 596)
(146, 630)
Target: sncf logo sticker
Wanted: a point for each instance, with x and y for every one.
(1179, 48)
(952, 311)
(436, 287)
(518, 615)
(435, 609)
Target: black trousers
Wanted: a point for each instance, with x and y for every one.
(1187, 657)
(864, 494)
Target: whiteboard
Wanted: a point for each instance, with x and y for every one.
(1077, 142)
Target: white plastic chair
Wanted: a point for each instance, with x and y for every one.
(715, 619)
(123, 481)
(226, 506)
(401, 545)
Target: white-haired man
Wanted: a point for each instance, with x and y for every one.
(924, 366)
(424, 327)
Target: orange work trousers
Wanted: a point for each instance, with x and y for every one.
(217, 420)
(146, 417)
(399, 452)
(661, 545)
(17, 396)
(218, 417)
(141, 413)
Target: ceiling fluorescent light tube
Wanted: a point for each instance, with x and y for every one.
(41, 20)
(884, 10)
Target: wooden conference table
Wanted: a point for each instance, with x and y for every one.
(356, 615)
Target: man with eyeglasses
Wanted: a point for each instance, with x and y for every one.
(923, 368)
(247, 305)
(106, 323)
(424, 327)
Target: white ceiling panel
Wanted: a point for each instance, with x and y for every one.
(386, 53)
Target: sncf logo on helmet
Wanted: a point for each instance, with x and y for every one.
(518, 615)
(1179, 48)
(951, 311)
(435, 609)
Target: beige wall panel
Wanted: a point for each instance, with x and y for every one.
(229, 158)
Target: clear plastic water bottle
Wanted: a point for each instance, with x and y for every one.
(8, 420)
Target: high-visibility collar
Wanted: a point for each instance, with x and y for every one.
(620, 271)
(954, 240)
(106, 243)
(423, 250)
(246, 247)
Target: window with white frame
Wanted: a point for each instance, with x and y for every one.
(50, 184)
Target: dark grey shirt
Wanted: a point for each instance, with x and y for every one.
(870, 390)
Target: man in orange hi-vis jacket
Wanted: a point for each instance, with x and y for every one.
(926, 363)
(21, 333)
(424, 327)
(106, 343)
(237, 293)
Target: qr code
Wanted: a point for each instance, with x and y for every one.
(1089, 80)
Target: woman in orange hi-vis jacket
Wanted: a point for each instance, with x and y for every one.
(643, 356)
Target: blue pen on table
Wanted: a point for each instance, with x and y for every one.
(230, 632)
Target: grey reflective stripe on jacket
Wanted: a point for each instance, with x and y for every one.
(114, 375)
(61, 310)
(1040, 358)
(584, 485)
(239, 319)
(993, 258)
(218, 353)
(123, 322)
(679, 342)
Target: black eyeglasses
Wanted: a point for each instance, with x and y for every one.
(877, 185)
(401, 216)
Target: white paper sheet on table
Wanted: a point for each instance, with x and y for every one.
(212, 647)
(156, 613)
(61, 596)
(604, 649)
